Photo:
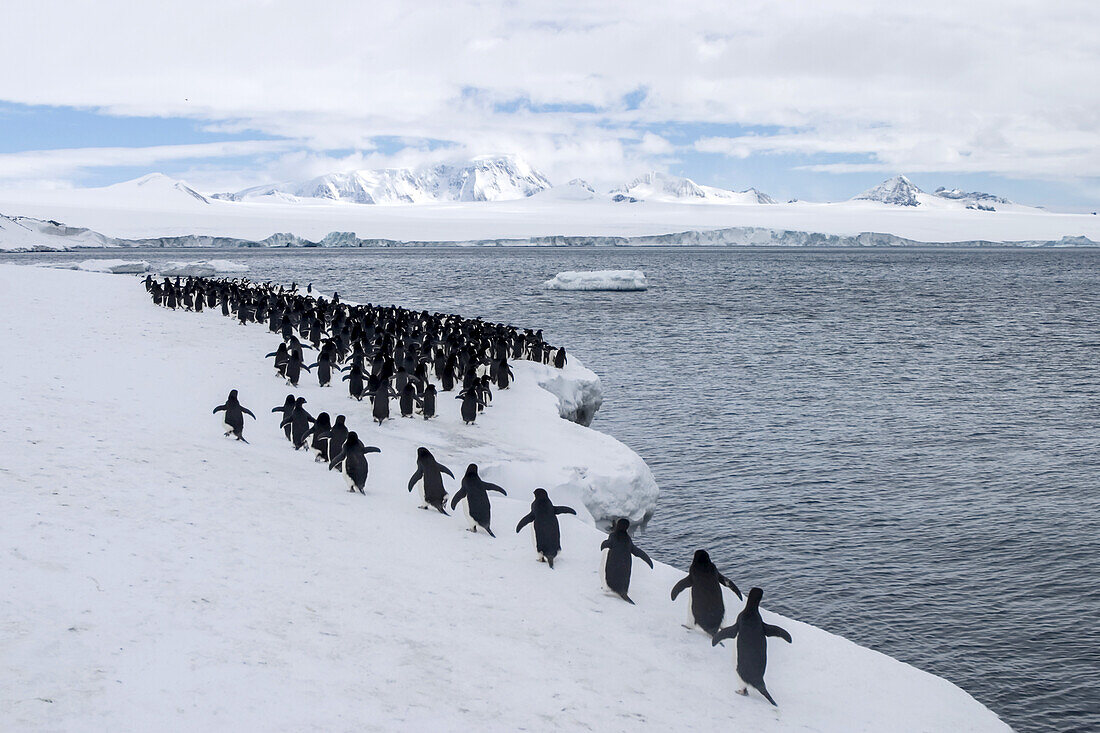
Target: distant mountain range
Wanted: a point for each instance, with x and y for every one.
(900, 191)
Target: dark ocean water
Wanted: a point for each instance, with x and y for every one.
(900, 446)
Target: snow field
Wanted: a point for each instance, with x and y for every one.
(159, 575)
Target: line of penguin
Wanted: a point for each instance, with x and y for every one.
(399, 345)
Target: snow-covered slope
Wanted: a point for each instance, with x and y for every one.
(490, 178)
(159, 576)
(656, 186)
(156, 188)
(900, 191)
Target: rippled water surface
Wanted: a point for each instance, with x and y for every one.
(900, 446)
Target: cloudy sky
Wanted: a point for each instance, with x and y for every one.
(815, 100)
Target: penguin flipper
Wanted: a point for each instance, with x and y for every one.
(247, 411)
(606, 544)
(444, 469)
(565, 510)
(218, 409)
(525, 521)
(458, 497)
(727, 633)
(729, 584)
(494, 487)
(681, 587)
(770, 630)
(416, 477)
(640, 554)
(372, 449)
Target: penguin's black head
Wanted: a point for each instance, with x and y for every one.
(352, 437)
(232, 394)
(339, 419)
(701, 558)
(540, 494)
(471, 470)
(290, 399)
(300, 401)
(422, 452)
(754, 596)
(622, 524)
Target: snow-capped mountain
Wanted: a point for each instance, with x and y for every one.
(899, 191)
(156, 186)
(499, 178)
(657, 186)
(956, 194)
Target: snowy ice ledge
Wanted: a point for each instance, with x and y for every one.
(598, 280)
(189, 582)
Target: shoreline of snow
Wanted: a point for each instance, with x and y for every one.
(598, 280)
(162, 576)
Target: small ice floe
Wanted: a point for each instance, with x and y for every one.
(598, 280)
(202, 268)
(113, 267)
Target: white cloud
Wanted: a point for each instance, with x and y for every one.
(1003, 86)
(60, 162)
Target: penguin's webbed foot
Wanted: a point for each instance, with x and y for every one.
(743, 691)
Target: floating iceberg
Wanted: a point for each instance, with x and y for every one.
(113, 267)
(598, 280)
(202, 268)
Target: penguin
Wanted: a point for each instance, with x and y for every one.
(353, 457)
(560, 359)
(287, 406)
(293, 367)
(335, 438)
(429, 472)
(234, 416)
(617, 560)
(407, 401)
(543, 518)
(380, 399)
(318, 443)
(299, 421)
(706, 608)
(475, 491)
(752, 645)
(354, 378)
(427, 402)
(470, 405)
(281, 355)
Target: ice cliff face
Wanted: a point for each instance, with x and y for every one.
(482, 179)
(898, 191)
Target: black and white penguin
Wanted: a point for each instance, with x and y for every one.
(234, 416)
(380, 401)
(752, 644)
(543, 519)
(336, 437)
(299, 422)
(706, 609)
(475, 493)
(429, 473)
(427, 402)
(407, 401)
(470, 405)
(618, 550)
(318, 441)
(353, 459)
(286, 407)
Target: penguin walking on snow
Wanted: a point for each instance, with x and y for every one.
(285, 408)
(706, 608)
(234, 416)
(353, 458)
(545, 531)
(429, 473)
(299, 422)
(475, 492)
(752, 645)
(619, 551)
